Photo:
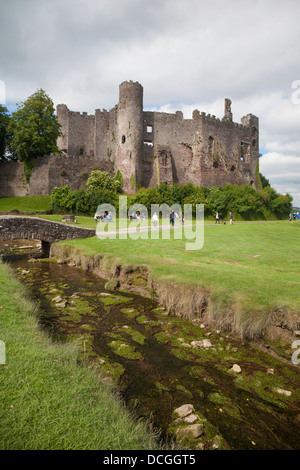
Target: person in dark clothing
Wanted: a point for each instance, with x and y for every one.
(172, 218)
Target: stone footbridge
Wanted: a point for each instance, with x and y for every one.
(13, 227)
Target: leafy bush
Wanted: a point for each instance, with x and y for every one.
(64, 200)
(101, 180)
(245, 202)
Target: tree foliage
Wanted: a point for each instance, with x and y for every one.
(34, 128)
(4, 132)
(101, 180)
(264, 181)
(244, 201)
(64, 200)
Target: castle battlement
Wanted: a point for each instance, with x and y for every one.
(147, 146)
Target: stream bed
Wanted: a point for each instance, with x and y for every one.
(240, 396)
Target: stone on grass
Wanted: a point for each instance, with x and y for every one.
(286, 393)
(217, 442)
(184, 410)
(192, 432)
(191, 418)
(204, 343)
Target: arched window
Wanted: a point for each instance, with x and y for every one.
(211, 145)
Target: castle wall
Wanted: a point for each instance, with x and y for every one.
(101, 132)
(147, 147)
(12, 180)
(150, 147)
(81, 134)
(49, 172)
(204, 150)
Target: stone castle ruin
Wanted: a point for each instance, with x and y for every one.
(147, 147)
(153, 147)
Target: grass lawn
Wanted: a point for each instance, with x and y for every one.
(26, 204)
(254, 267)
(47, 400)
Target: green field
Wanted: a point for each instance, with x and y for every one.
(26, 204)
(48, 400)
(249, 270)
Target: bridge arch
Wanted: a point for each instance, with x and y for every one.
(13, 227)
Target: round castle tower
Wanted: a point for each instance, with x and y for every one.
(130, 134)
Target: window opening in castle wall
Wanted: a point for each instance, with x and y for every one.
(211, 145)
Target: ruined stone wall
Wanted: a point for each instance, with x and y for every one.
(12, 180)
(88, 135)
(49, 172)
(80, 129)
(147, 147)
(150, 147)
(204, 150)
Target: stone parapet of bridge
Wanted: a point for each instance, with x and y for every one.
(13, 227)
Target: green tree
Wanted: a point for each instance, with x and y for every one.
(264, 181)
(34, 127)
(4, 132)
(101, 180)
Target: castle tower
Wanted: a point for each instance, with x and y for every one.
(227, 110)
(129, 153)
(62, 113)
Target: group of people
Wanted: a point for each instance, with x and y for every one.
(173, 217)
(218, 219)
(137, 216)
(105, 217)
(294, 216)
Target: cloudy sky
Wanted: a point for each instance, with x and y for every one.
(187, 54)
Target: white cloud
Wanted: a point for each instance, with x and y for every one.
(187, 54)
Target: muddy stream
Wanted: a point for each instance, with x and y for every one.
(150, 357)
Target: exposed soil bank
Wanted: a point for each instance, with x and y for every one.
(275, 331)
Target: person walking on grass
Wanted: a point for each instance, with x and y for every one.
(217, 218)
(172, 218)
(231, 218)
(155, 220)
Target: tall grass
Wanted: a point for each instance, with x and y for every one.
(47, 400)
